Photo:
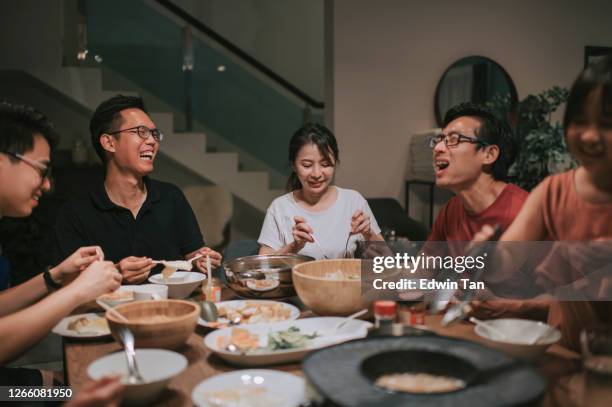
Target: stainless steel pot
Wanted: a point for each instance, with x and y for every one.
(263, 276)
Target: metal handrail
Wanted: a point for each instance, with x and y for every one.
(234, 49)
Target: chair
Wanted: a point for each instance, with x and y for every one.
(390, 215)
(213, 208)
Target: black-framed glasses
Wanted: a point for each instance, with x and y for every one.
(44, 169)
(453, 139)
(143, 132)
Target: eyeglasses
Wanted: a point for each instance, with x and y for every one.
(453, 139)
(143, 132)
(43, 169)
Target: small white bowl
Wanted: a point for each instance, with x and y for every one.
(181, 284)
(149, 292)
(524, 338)
(157, 367)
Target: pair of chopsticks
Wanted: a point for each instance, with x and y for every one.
(113, 311)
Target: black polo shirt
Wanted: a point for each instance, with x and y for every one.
(165, 228)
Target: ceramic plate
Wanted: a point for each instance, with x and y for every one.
(62, 327)
(353, 329)
(294, 312)
(255, 388)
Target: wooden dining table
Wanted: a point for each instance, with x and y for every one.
(561, 367)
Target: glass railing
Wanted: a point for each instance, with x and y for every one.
(232, 100)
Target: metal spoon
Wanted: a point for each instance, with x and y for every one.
(209, 311)
(134, 376)
(350, 317)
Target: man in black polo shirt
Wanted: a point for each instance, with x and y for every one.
(131, 216)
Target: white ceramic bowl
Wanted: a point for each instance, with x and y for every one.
(523, 338)
(107, 298)
(149, 292)
(157, 367)
(181, 284)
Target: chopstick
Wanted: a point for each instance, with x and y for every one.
(113, 311)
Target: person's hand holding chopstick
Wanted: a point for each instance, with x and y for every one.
(215, 258)
(135, 269)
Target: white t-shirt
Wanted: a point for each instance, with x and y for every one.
(331, 227)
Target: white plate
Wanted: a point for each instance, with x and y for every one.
(272, 388)
(353, 329)
(62, 327)
(295, 312)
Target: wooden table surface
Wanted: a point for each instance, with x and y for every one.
(556, 364)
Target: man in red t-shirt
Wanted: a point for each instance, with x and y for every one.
(471, 157)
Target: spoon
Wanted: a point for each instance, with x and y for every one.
(179, 264)
(350, 317)
(113, 311)
(209, 311)
(491, 328)
(340, 324)
(134, 376)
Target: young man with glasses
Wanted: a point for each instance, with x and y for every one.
(30, 310)
(132, 217)
(471, 157)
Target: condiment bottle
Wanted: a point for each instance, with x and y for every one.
(384, 315)
(212, 290)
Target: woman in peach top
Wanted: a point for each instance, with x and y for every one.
(576, 205)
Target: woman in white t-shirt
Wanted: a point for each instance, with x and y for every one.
(316, 218)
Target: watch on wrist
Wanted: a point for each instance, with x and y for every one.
(49, 280)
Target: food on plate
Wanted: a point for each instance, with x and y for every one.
(89, 325)
(241, 338)
(243, 396)
(251, 312)
(419, 383)
(246, 342)
(340, 275)
(118, 295)
(289, 339)
(262, 285)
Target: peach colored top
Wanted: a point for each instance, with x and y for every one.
(567, 216)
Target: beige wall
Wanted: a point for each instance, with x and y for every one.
(390, 54)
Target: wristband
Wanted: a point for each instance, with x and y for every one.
(49, 280)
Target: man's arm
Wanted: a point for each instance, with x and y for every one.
(21, 330)
(23, 295)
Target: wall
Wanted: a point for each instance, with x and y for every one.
(286, 35)
(390, 54)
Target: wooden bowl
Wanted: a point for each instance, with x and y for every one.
(165, 324)
(330, 287)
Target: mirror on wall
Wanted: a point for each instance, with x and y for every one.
(475, 78)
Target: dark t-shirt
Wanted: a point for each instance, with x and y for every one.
(164, 229)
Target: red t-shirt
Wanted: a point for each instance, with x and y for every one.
(454, 223)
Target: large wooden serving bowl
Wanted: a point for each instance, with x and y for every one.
(178, 323)
(320, 290)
